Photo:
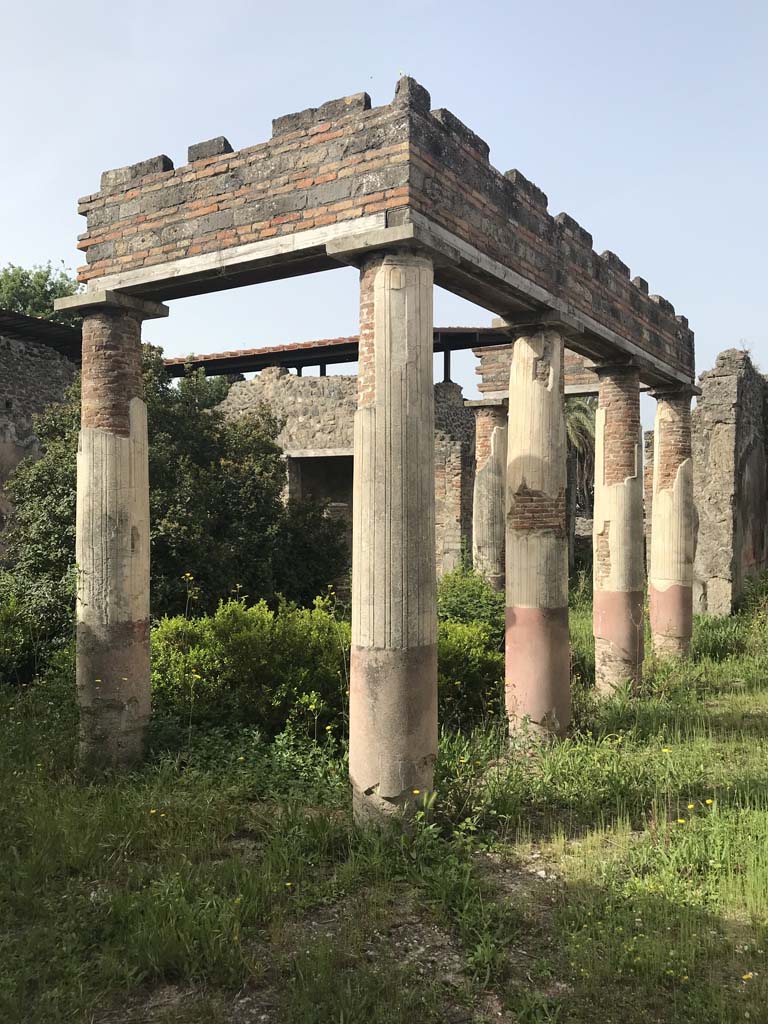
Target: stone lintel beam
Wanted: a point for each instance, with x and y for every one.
(684, 390)
(487, 403)
(393, 664)
(537, 647)
(92, 301)
(618, 541)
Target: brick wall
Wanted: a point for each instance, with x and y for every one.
(344, 160)
(322, 166)
(618, 398)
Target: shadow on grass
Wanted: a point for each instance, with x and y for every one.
(619, 953)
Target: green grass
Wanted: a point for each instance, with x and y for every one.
(618, 876)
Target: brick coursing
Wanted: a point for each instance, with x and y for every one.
(537, 512)
(619, 397)
(111, 370)
(648, 487)
(675, 441)
(366, 361)
(344, 160)
(486, 421)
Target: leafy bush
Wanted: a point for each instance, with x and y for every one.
(35, 621)
(218, 522)
(289, 667)
(465, 596)
(252, 665)
(470, 669)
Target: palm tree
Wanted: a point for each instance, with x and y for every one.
(580, 432)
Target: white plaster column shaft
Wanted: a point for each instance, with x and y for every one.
(489, 494)
(393, 678)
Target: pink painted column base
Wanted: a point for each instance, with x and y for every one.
(671, 619)
(538, 683)
(619, 640)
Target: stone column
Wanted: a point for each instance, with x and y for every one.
(618, 530)
(112, 532)
(489, 496)
(673, 529)
(393, 673)
(537, 646)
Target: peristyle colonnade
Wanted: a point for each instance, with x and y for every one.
(408, 196)
(520, 536)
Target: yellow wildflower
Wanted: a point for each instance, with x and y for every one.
(153, 810)
(690, 807)
(416, 792)
(681, 821)
(708, 803)
(748, 976)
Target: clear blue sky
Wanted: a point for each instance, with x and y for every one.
(646, 122)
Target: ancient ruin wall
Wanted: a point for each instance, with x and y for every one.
(330, 166)
(730, 452)
(32, 377)
(318, 418)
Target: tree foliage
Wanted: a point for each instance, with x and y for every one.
(218, 523)
(580, 430)
(32, 291)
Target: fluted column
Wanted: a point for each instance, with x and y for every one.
(618, 530)
(489, 496)
(537, 647)
(393, 681)
(673, 526)
(112, 532)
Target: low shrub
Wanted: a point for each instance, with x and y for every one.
(470, 674)
(249, 665)
(36, 621)
(463, 595)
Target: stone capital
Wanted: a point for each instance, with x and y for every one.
(541, 320)
(675, 391)
(93, 301)
(486, 403)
